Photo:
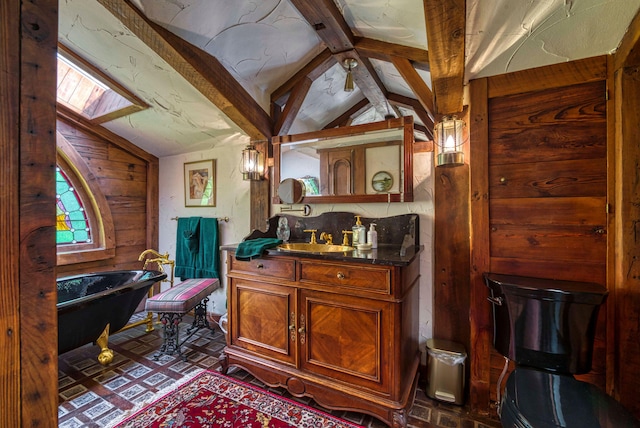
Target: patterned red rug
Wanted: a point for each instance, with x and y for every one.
(211, 399)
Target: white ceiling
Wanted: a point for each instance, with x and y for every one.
(264, 43)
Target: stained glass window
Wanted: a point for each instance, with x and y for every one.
(72, 225)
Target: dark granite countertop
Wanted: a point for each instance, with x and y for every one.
(394, 233)
(388, 255)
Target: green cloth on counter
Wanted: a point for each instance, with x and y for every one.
(253, 248)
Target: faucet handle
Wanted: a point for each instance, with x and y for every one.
(345, 236)
(327, 237)
(313, 235)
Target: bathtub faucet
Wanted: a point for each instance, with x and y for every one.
(151, 251)
(160, 260)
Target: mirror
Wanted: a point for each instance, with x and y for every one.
(291, 191)
(362, 163)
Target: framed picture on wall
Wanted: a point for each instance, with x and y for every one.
(200, 183)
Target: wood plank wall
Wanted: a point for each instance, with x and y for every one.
(538, 196)
(129, 181)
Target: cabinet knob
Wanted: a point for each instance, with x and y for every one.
(292, 327)
(260, 266)
(340, 275)
(301, 330)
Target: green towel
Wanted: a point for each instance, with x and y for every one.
(187, 246)
(208, 260)
(253, 248)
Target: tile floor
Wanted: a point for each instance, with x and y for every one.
(91, 395)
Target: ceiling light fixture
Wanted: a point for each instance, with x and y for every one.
(349, 64)
(252, 166)
(449, 139)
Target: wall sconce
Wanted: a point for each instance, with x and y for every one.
(252, 166)
(349, 64)
(449, 140)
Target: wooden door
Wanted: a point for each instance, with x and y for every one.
(260, 318)
(345, 338)
(548, 191)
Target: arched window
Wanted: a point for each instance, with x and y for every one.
(84, 228)
(72, 224)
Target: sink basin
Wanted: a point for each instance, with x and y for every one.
(305, 247)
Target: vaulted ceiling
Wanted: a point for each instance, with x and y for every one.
(214, 70)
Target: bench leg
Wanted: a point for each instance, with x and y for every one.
(171, 335)
(171, 329)
(200, 316)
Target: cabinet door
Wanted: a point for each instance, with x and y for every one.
(346, 338)
(260, 318)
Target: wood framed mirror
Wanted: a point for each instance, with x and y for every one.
(363, 163)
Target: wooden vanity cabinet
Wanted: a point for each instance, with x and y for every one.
(343, 333)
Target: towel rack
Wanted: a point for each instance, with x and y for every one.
(225, 219)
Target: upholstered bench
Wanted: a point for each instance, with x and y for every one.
(172, 304)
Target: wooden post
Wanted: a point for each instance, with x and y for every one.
(28, 326)
(627, 242)
(479, 312)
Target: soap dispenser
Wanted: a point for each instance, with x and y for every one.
(359, 232)
(372, 236)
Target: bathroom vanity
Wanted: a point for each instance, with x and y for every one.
(341, 327)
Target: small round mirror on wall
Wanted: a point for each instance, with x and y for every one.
(291, 191)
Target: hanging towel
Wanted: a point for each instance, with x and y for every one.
(187, 247)
(208, 261)
(253, 248)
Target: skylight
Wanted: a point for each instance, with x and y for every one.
(86, 91)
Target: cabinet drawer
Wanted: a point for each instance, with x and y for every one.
(280, 268)
(377, 279)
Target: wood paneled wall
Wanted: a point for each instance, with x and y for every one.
(538, 194)
(128, 178)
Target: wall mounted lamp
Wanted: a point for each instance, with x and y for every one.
(252, 166)
(449, 140)
(349, 64)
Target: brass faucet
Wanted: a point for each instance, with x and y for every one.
(327, 237)
(313, 235)
(345, 236)
(153, 252)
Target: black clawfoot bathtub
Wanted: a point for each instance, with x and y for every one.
(92, 305)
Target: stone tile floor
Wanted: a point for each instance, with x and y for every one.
(92, 395)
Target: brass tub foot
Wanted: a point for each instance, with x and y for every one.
(106, 354)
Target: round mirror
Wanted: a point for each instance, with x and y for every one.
(291, 191)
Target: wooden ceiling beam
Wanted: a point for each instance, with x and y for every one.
(325, 17)
(203, 71)
(416, 83)
(445, 20)
(291, 110)
(423, 129)
(415, 105)
(345, 118)
(314, 69)
(334, 31)
(384, 51)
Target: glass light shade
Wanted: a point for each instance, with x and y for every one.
(449, 140)
(252, 164)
